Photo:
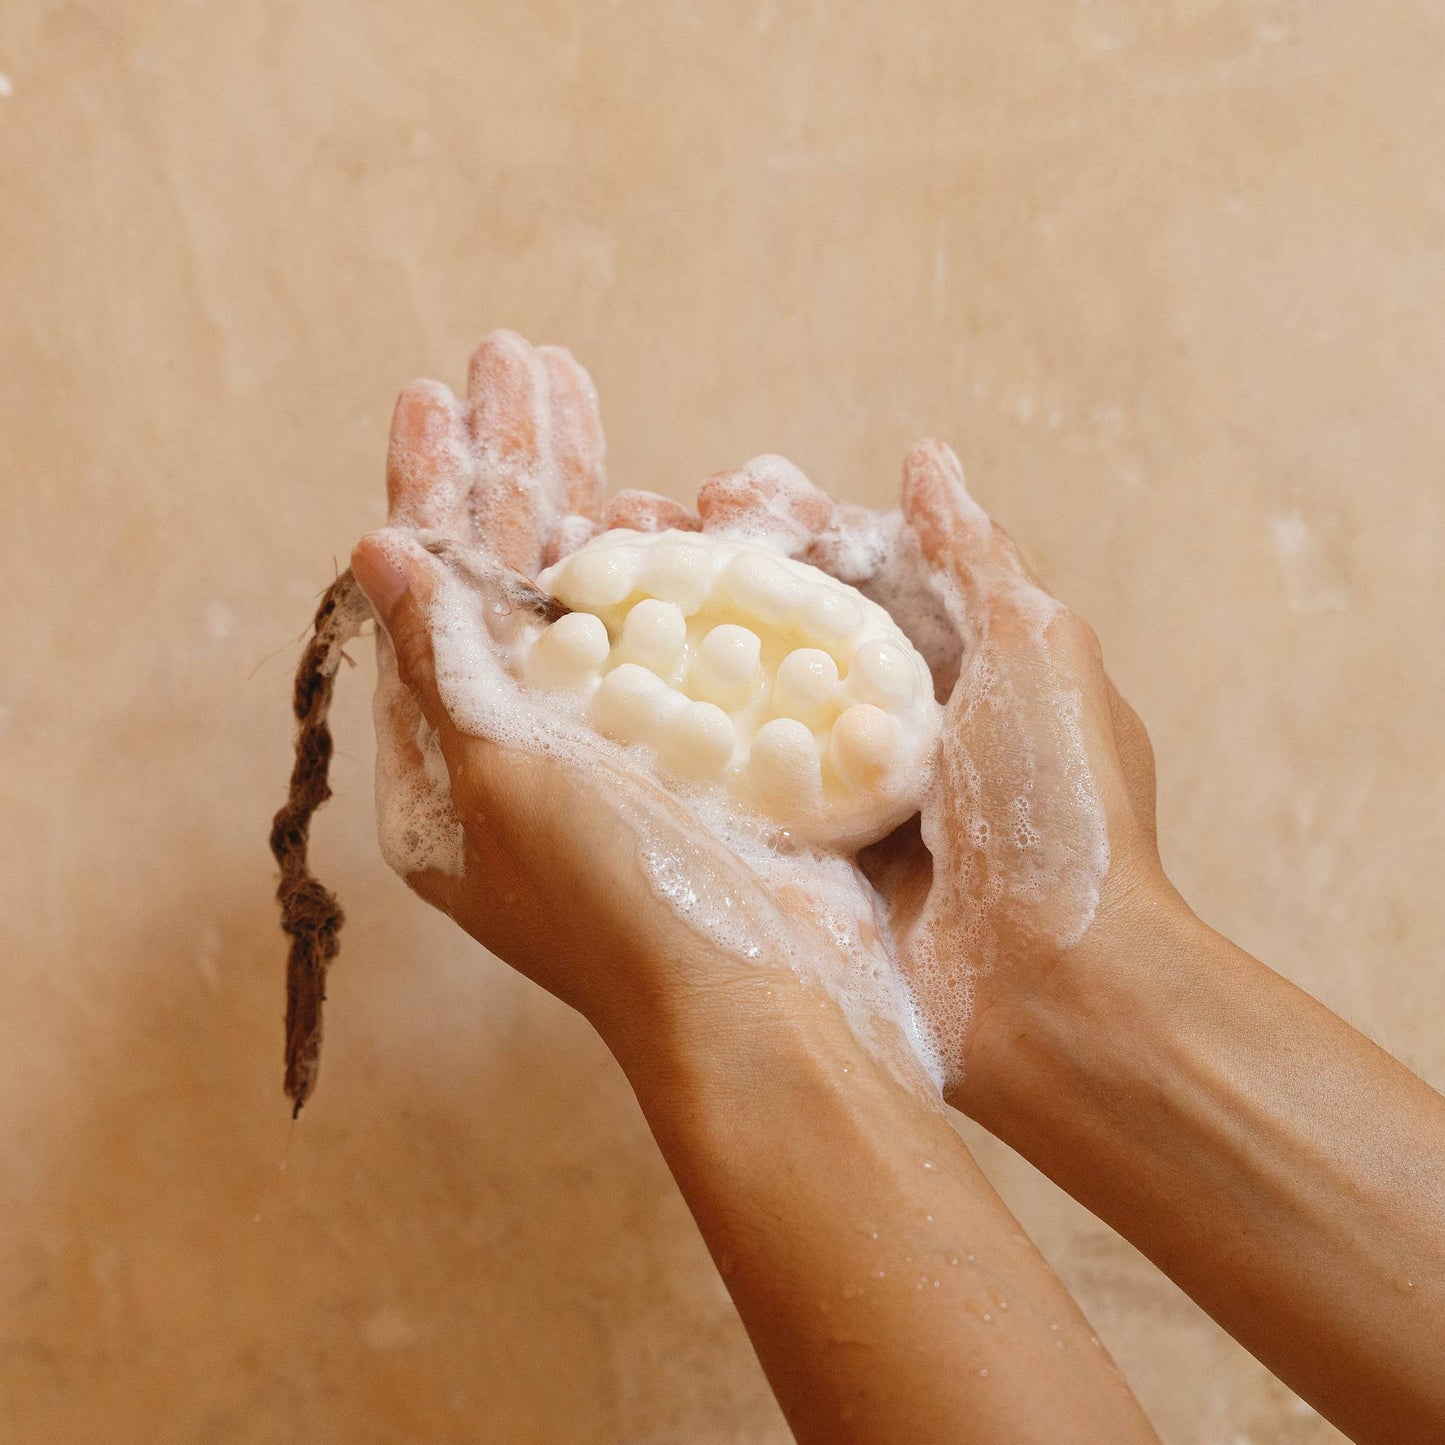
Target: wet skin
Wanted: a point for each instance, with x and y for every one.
(1273, 1161)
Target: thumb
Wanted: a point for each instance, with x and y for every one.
(399, 578)
(953, 531)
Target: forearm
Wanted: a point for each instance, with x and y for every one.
(887, 1290)
(1281, 1168)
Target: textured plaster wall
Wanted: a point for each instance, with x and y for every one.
(1170, 274)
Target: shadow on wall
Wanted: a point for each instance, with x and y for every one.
(481, 1244)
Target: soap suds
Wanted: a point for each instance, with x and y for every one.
(1015, 827)
(416, 823)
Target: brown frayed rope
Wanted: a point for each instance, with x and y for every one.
(509, 585)
(310, 913)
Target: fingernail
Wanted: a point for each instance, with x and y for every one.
(383, 578)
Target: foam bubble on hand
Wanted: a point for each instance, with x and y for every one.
(416, 823)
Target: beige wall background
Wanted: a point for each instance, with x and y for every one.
(1170, 274)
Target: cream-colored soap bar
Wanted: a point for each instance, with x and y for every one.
(744, 671)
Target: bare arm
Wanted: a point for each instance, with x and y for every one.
(1285, 1171)
(794, 1145)
(887, 1290)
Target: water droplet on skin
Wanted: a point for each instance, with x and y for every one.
(953, 1259)
(984, 1373)
(1054, 1328)
(928, 1164)
(1003, 1304)
(929, 1218)
(874, 1235)
(970, 1259)
(880, 1274)
(1093, 1339)
(988, 1319)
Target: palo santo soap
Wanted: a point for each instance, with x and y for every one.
(745, 672)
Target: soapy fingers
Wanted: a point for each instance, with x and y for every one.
(429, 473)
(648, 512)
(520, 460)
(957, 536)
(954, 533)
(508, 405)
(770, 500)
(577, 445)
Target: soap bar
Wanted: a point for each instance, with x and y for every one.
(742, 671)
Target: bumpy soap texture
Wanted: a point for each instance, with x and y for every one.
(743, 671)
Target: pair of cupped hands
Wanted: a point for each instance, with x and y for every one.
(1024, 849)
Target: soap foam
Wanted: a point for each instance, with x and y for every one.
(416, 822)
(1013, 820)
(836, 937)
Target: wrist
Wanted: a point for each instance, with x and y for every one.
(739, 1038)
(1103, 1010)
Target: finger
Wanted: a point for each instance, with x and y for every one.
(428, 461)
(399, 578)
(507, 411)
(577, 443)
(506, 397)
(963, 543)
(771, 501)
(953, 531)
(415, 816)
(649, 512)
(767, 500)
